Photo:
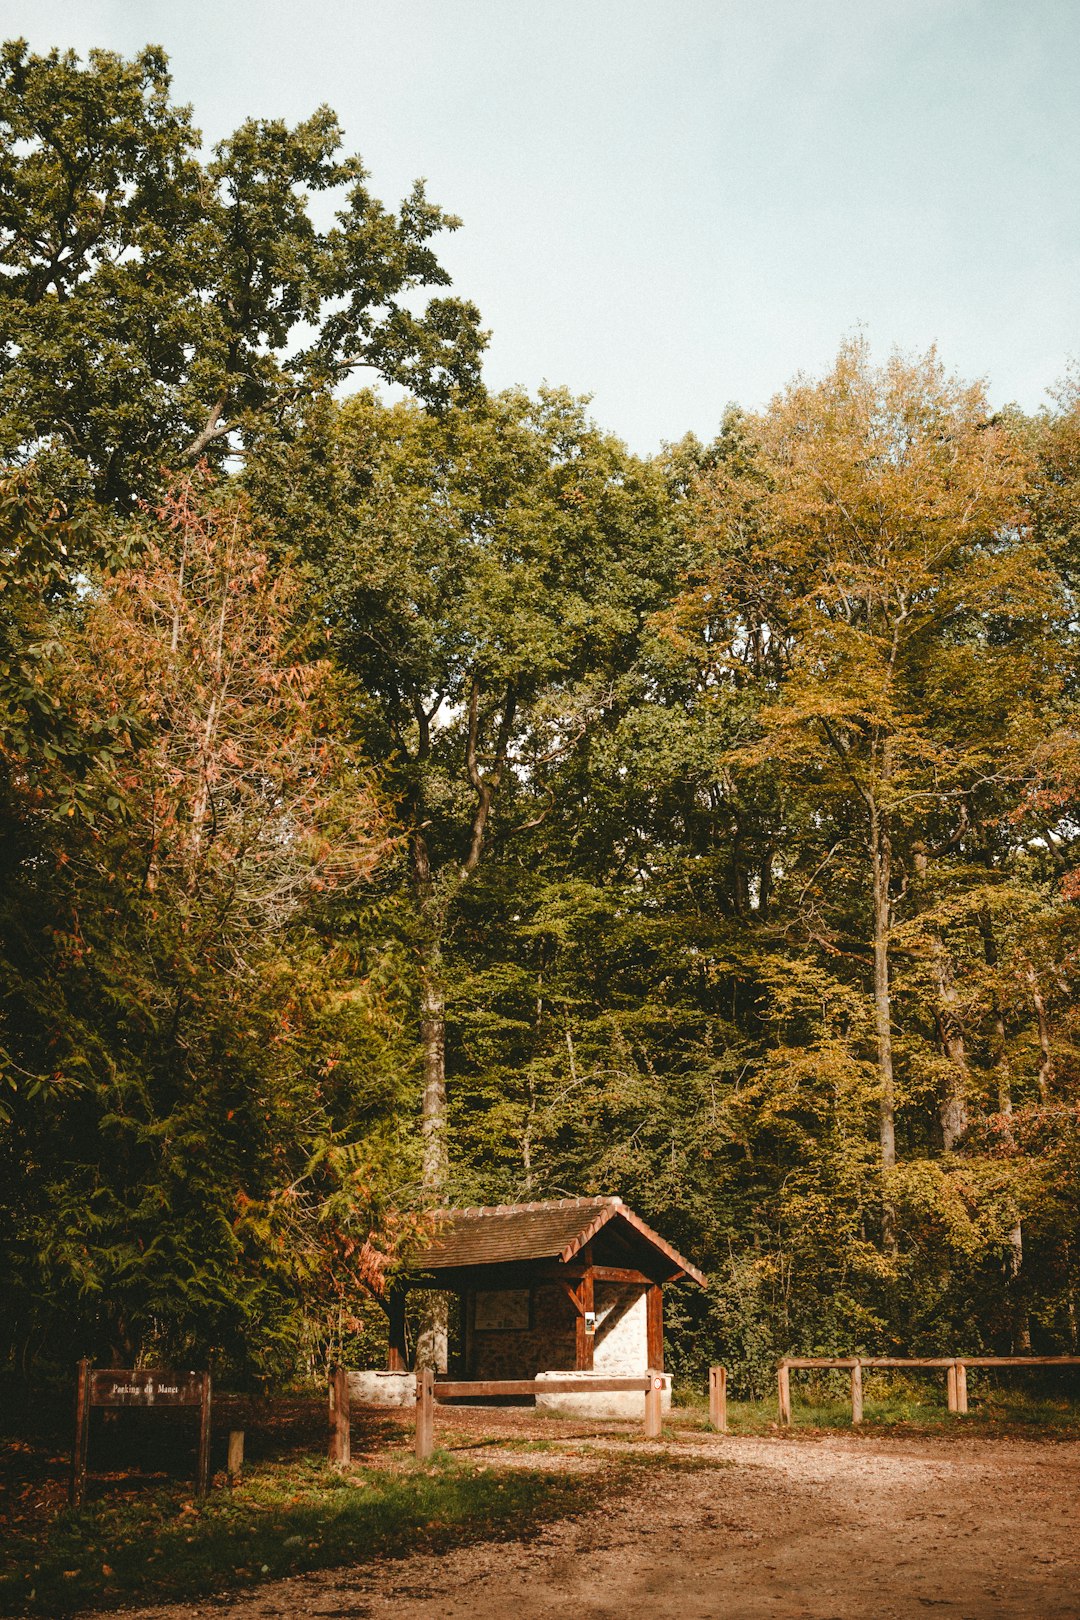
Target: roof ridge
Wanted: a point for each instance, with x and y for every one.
(594, 1202)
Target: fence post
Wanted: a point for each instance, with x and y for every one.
(203, 1478)
(340, 1437)
(783, 1385)
(234, 1465)
(961, 1389)
(950, 1385)
(652, 1404)
(856, 1392)
(718, 1399)
(82, 1434)
(425, 1413)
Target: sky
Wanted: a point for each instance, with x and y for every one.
(674, 204)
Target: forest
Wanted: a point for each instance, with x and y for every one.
(409, 796)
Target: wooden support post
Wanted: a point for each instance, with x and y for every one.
(425, 1413)
(340, 1437)
(468, 1333)
(77, 1487)
(202, 1476)
(583, 1341)
(653, 1423)
(961, 1389)
(718, 1399)
(234, 1465)
(856, 1392)
(654, 1326)
(397, 1359)
(783, 1387)
(950, 1385)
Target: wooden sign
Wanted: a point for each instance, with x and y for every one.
(148, 1388)
(141, 1388)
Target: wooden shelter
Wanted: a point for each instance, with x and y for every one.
(575, 1284)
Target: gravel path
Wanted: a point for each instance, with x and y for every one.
(831, 1528)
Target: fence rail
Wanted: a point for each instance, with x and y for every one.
(955, 1368)
(429, 1394)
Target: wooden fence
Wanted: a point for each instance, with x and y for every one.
(429, 1394)
(954, 1367)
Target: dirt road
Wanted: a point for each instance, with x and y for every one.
(831, 1528)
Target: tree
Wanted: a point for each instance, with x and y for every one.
(482, 572)
(158, 307)
(211, 1124)
(871, 587)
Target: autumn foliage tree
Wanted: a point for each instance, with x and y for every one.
(200, 1144)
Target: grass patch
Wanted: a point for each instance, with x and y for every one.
(283, 1519)
(993, 1411)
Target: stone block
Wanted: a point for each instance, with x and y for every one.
(376, 1388)
(598, 1404)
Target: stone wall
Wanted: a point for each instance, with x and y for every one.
(621, 1346)
(550, 1342)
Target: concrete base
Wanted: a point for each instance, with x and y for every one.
(382, 1388)
(596, 1404)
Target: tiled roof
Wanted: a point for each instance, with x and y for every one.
(555, 1230)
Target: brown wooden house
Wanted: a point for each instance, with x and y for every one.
(574, 1284)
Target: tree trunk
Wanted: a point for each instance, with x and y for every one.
(1014, 1240)
(433, 1046)
(952, 1106)
(881, 857)
(432, 1342)
(1046, 1061)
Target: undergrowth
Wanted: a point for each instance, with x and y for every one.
(282, 1519)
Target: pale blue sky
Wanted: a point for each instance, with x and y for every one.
(670, 206)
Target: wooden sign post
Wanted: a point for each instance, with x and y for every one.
(139, 1387)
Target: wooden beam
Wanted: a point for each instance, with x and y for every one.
(622, 1274)
(397, 1359)
(468, 1318)
(481, 1388)
(583, 1341)
(572, 1295)
(653, 1421)
(654, 1326)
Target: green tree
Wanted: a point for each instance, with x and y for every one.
(206, 1139)
(481, 570)
(158, 307)
(860, 568)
